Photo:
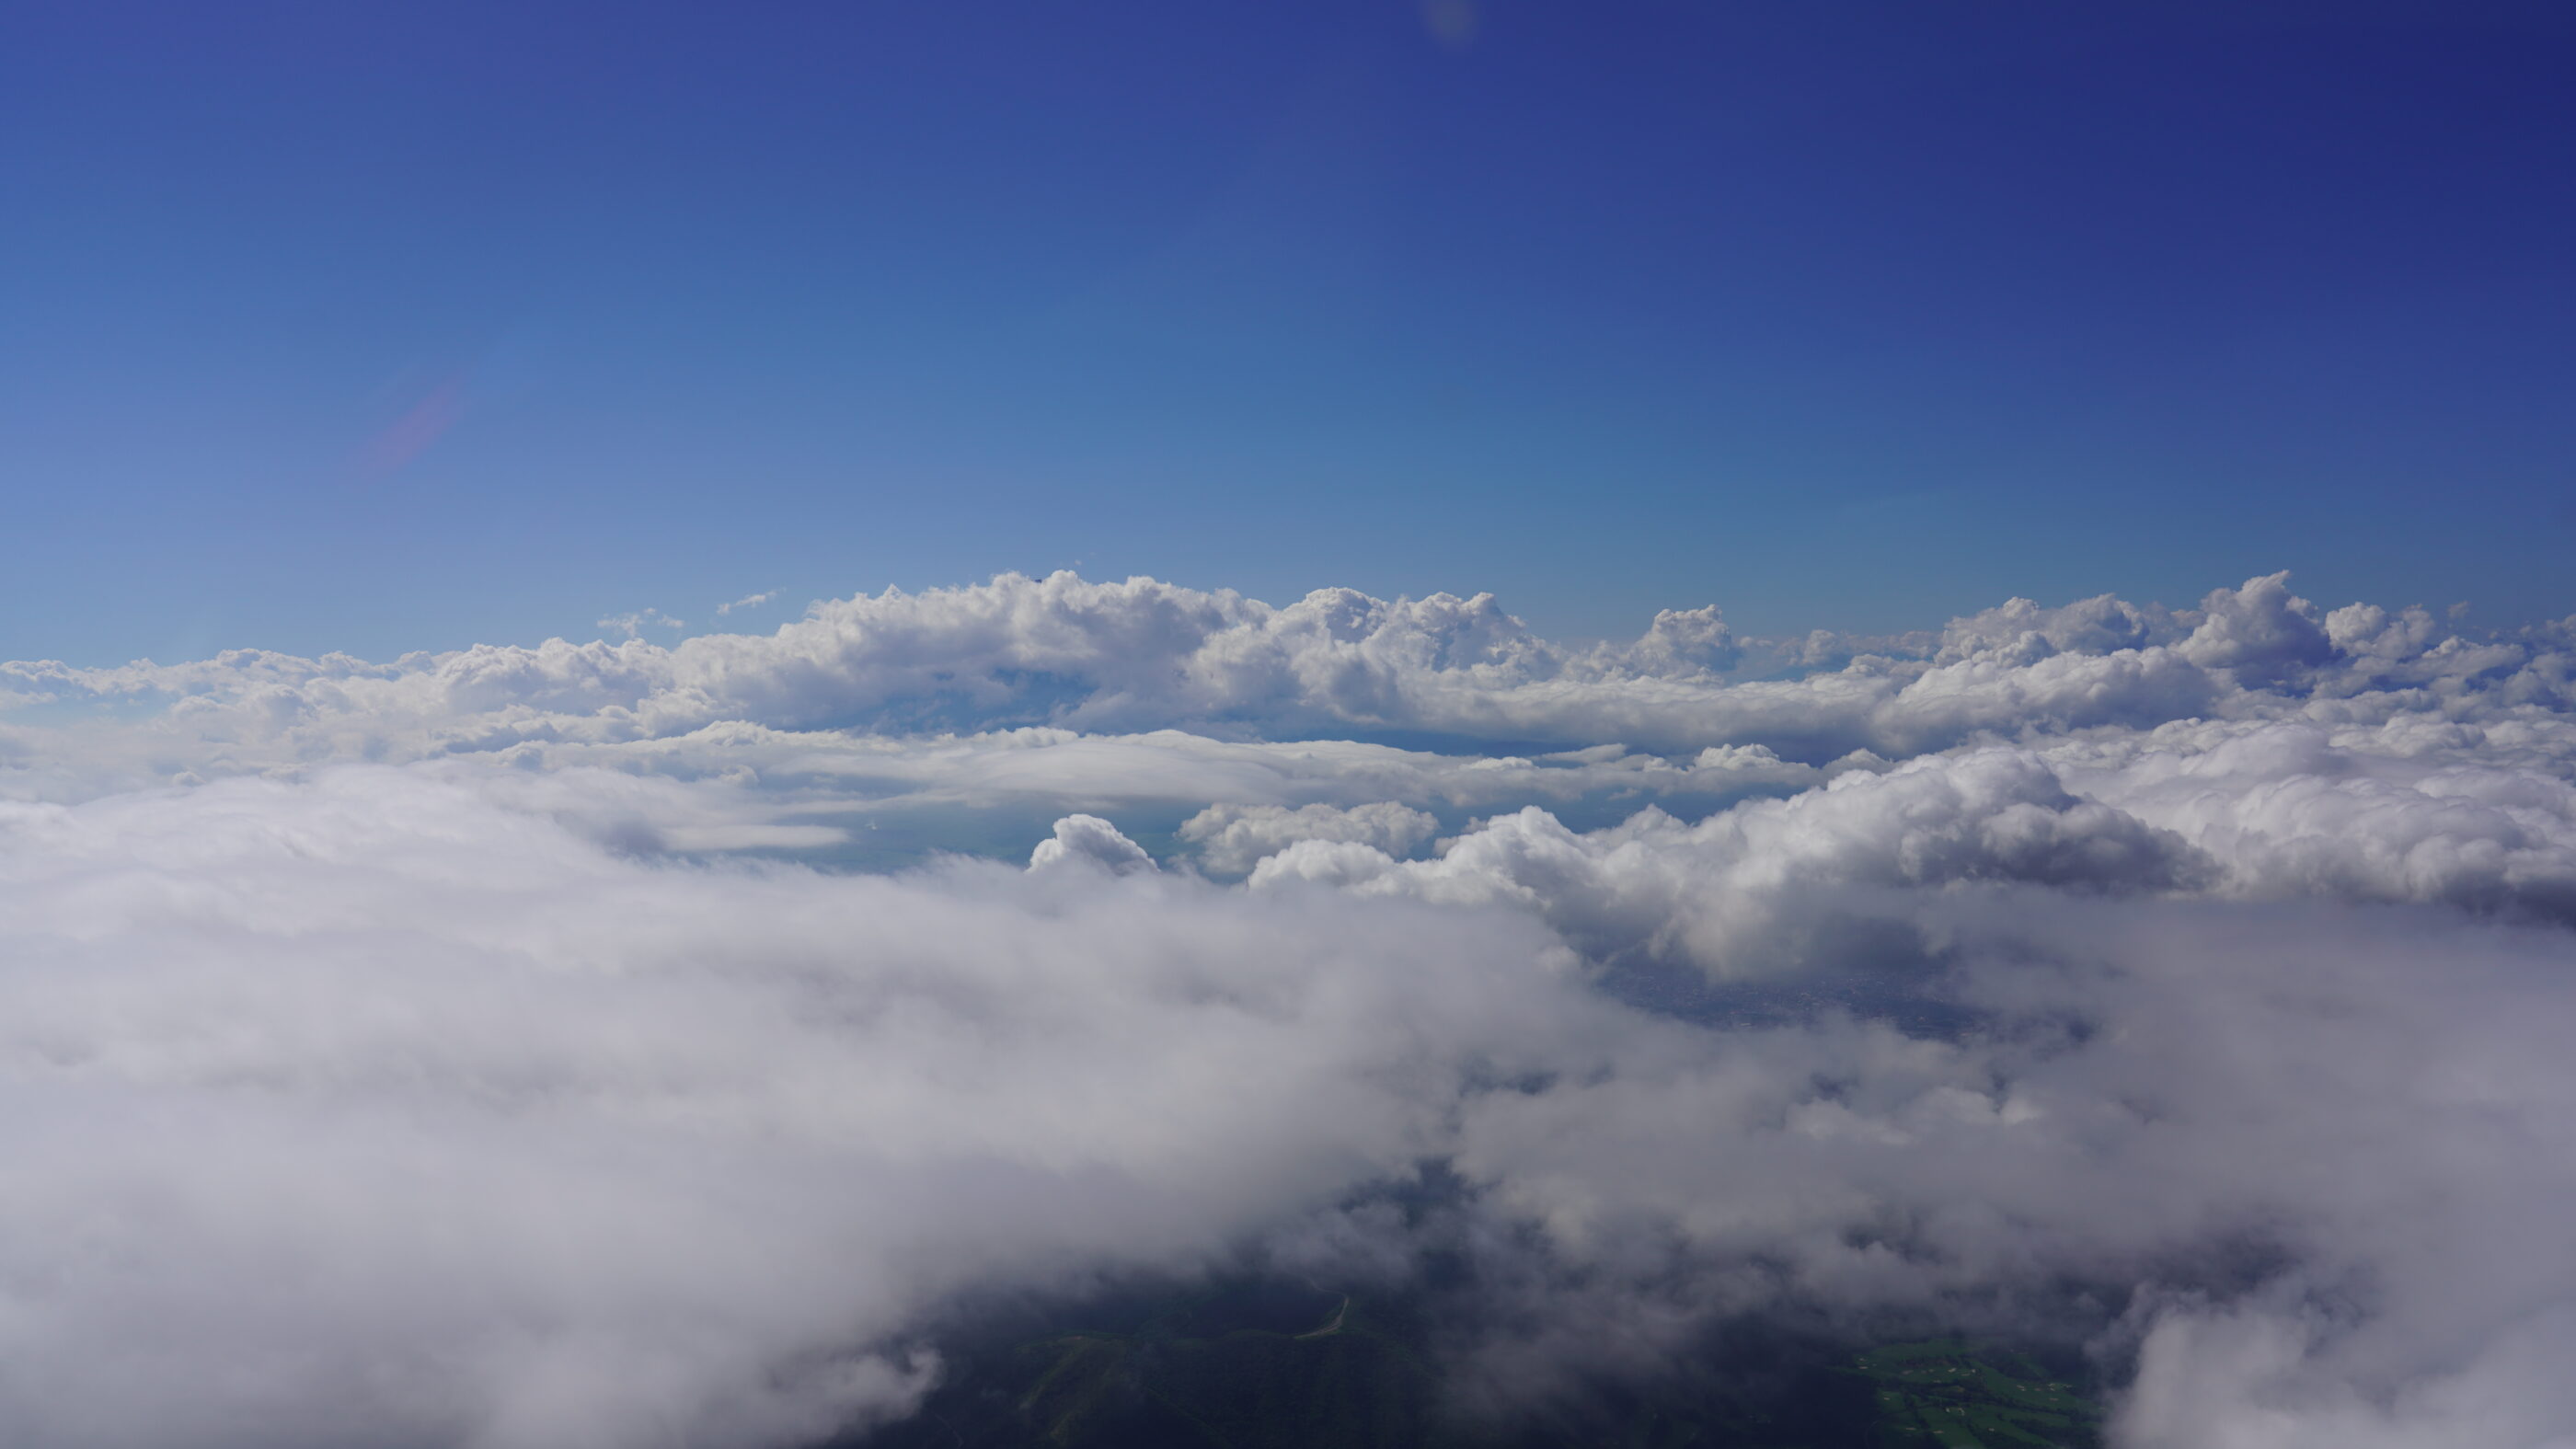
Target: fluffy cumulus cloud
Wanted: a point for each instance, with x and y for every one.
(370, 1109)
(656, 1042)
(1235, 839)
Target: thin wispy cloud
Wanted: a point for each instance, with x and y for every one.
(633, 625)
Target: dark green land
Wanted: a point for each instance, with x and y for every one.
(1949, 1393)
(1264, 1367)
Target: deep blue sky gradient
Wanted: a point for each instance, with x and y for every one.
(374, 327)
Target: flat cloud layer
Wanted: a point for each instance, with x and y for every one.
(617, 1043)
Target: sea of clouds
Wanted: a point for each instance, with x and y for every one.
(614, 1044)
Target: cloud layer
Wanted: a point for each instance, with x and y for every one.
(1142, 655)
(596, 1044)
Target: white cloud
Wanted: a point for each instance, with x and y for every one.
(417, 1052)
(367, 1108)
(633, 624)
(1090, 840)
(1776, 886)
(1140, 656)
(1233, 838)
(747, 601)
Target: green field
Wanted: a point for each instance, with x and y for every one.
(1252, 1366)
(1959, 1395)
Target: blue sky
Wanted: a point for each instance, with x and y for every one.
(387, 327)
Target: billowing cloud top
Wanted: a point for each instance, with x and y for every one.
(1144, 655)
(589, 1043)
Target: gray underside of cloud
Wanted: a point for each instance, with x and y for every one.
(595, 1043)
